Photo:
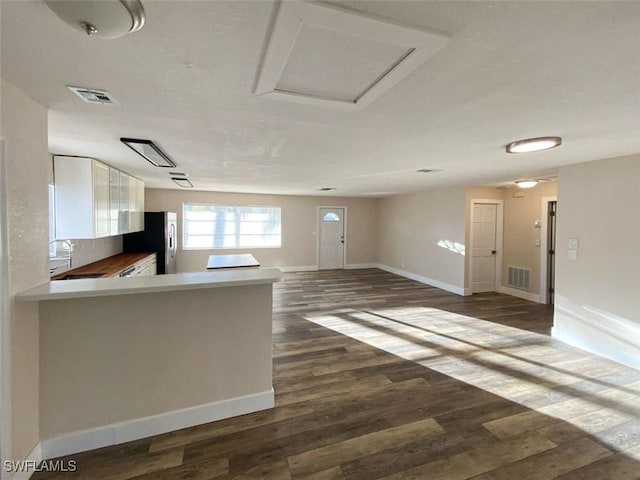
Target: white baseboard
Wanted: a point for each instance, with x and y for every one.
(301, 268)
(597, 331)
(357, 266)
(428, 281)
(33, 459)
(532, 297)
(114, 434)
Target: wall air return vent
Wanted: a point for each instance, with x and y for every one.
(519, 278)
(91, 95)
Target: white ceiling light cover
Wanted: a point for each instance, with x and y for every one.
(106, 19)
(324, 55)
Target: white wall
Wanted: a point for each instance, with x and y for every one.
(111, 359)
(597, 303)
(521, 247)
(24, 126)
(299, 226)
(414, 231)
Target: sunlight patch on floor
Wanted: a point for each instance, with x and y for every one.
(524, 367)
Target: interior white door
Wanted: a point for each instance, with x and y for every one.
(331, 238)
(484, 247)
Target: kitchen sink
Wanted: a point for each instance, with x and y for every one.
(78, 276)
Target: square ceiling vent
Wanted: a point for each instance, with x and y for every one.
(325, 55)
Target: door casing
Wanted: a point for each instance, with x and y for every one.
(5, 324)
(544, 246)
(344, 226)
(499, 229)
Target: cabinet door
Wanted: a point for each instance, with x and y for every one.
(124, 203)
(114, 201)
(75, 212)
(140, 201)
(101, 199)
(134, 217)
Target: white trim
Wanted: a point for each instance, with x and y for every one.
(544, 247)
(344, 233)
(294, 14)
(596, 331)
(499, 234)
(33, 458)
(427, 281)
(357, 266)
(301, 268)
(532, 297)
(5, 320)
(117, 433)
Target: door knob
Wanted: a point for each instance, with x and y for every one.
(493, 252)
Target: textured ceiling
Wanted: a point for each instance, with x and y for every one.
(186, 80)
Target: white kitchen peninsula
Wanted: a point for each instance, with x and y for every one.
(126, 358)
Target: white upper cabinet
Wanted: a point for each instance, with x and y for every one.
(82, 198)
(123, 218)
(92, 199)
(114, 201)
(136, 204)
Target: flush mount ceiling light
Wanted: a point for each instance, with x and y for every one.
(102, 19)
(150, 152)
(182, 182)
(533, 144)
(526, 183)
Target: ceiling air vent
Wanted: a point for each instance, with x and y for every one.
(91, 95)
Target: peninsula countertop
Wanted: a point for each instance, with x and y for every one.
(102, 287)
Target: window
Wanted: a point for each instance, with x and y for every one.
(227, 226)
(331, 217)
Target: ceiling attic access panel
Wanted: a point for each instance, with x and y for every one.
(328, 56)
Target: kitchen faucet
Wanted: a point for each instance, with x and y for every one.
(68, 258)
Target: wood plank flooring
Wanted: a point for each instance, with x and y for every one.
(377, 376)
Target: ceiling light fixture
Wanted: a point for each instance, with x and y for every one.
(526, 183)
(105, 19)
(149, 151)
(534, 144)
(182, 182)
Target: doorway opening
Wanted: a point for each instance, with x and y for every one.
(331, 237)
(485, 265)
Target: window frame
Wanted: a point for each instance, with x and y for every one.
(236, 226)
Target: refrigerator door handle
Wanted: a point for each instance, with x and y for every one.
(172, 241)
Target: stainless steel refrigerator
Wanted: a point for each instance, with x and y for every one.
(160, 235)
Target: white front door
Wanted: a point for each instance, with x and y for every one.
(484, 247)
(331, 231)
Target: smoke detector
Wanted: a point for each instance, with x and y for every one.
(91, 95)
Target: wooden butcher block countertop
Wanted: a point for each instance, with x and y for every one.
(108, 267)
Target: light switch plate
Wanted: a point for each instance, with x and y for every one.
(573, 255)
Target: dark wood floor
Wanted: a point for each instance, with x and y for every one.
(377, 376)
